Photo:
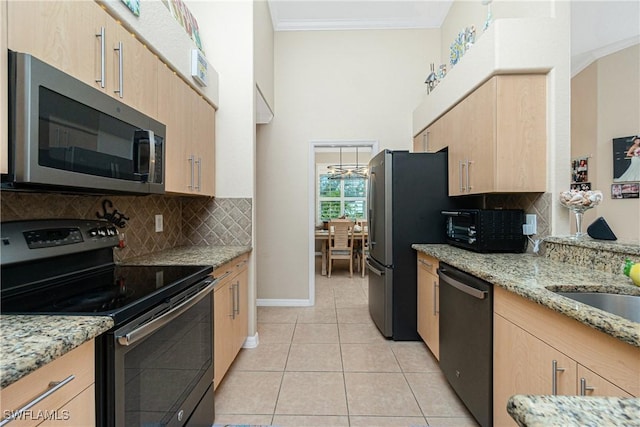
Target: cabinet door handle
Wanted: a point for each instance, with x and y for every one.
(199, 182)
(469, 162)
(120, 51)
(584, 388)
(102, 59)
(237, 308)
(233, 301)
(554, 376)
(53, 387)
(434, 297)
(191, 166)
(425, 141)
(461, 164)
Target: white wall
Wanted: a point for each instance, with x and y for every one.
(227, 37)
(606, 105)
(329, 85)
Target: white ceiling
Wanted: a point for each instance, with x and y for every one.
(598, 27)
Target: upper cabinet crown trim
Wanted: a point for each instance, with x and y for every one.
(509, 46)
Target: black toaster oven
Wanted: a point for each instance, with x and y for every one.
(486, 230)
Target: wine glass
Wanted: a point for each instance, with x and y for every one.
(579, 202)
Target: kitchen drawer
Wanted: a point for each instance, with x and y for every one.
(79, 363)
(232, 267)
(429, 262)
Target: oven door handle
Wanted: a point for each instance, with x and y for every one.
(148, 328)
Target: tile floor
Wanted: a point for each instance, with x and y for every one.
(328, 365)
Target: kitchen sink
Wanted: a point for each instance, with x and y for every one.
(627, 306)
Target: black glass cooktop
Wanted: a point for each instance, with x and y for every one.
(117, 291)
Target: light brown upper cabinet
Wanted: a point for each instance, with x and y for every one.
(83, 40)
(203, 145)
(434, 138)
(132, 75)
(190, 123)
(497, 137)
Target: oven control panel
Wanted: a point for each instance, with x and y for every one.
(36, 239)
(52, 237)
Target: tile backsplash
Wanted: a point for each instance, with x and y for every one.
(186, 220)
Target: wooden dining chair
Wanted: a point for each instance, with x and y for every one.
(362, 250)
(340, 243)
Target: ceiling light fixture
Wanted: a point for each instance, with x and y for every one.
(348, 170)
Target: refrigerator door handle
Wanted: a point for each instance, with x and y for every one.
(373, 269)
(372, 217)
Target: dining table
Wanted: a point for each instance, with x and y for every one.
(323, 236)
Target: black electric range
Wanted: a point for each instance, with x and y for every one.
(163, 317)
(67, 267)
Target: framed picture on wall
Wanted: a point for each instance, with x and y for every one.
(625, 191)
(579, 170)
(626, 159)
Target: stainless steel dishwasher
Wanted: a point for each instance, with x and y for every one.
(466, 339)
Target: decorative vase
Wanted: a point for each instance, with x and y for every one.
(579, 202)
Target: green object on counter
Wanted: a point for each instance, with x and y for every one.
(632, 269)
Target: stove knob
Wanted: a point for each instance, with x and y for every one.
(111, 231)
(93, 232)
(180, 414)
(102, 231)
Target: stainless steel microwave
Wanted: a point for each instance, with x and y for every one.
(66, 135)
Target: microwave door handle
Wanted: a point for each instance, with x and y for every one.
(140, 138)
(152, 157)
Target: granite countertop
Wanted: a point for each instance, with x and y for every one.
(582, 411)
(29, 342)
(191, 255)
(535, 278)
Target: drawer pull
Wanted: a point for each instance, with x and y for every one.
(554, 376)
(584, 388)
(426, 264)
(225, 275)
(53, 387)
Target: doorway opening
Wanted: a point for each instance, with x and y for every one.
(337, 199)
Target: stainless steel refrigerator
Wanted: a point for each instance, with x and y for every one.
(406, 194)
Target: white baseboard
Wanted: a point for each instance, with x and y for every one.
(283, 303)
(251, 341)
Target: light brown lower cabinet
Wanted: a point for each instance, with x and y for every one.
(72, 404)
(230, 305)
(428, 310)
(540, 351)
